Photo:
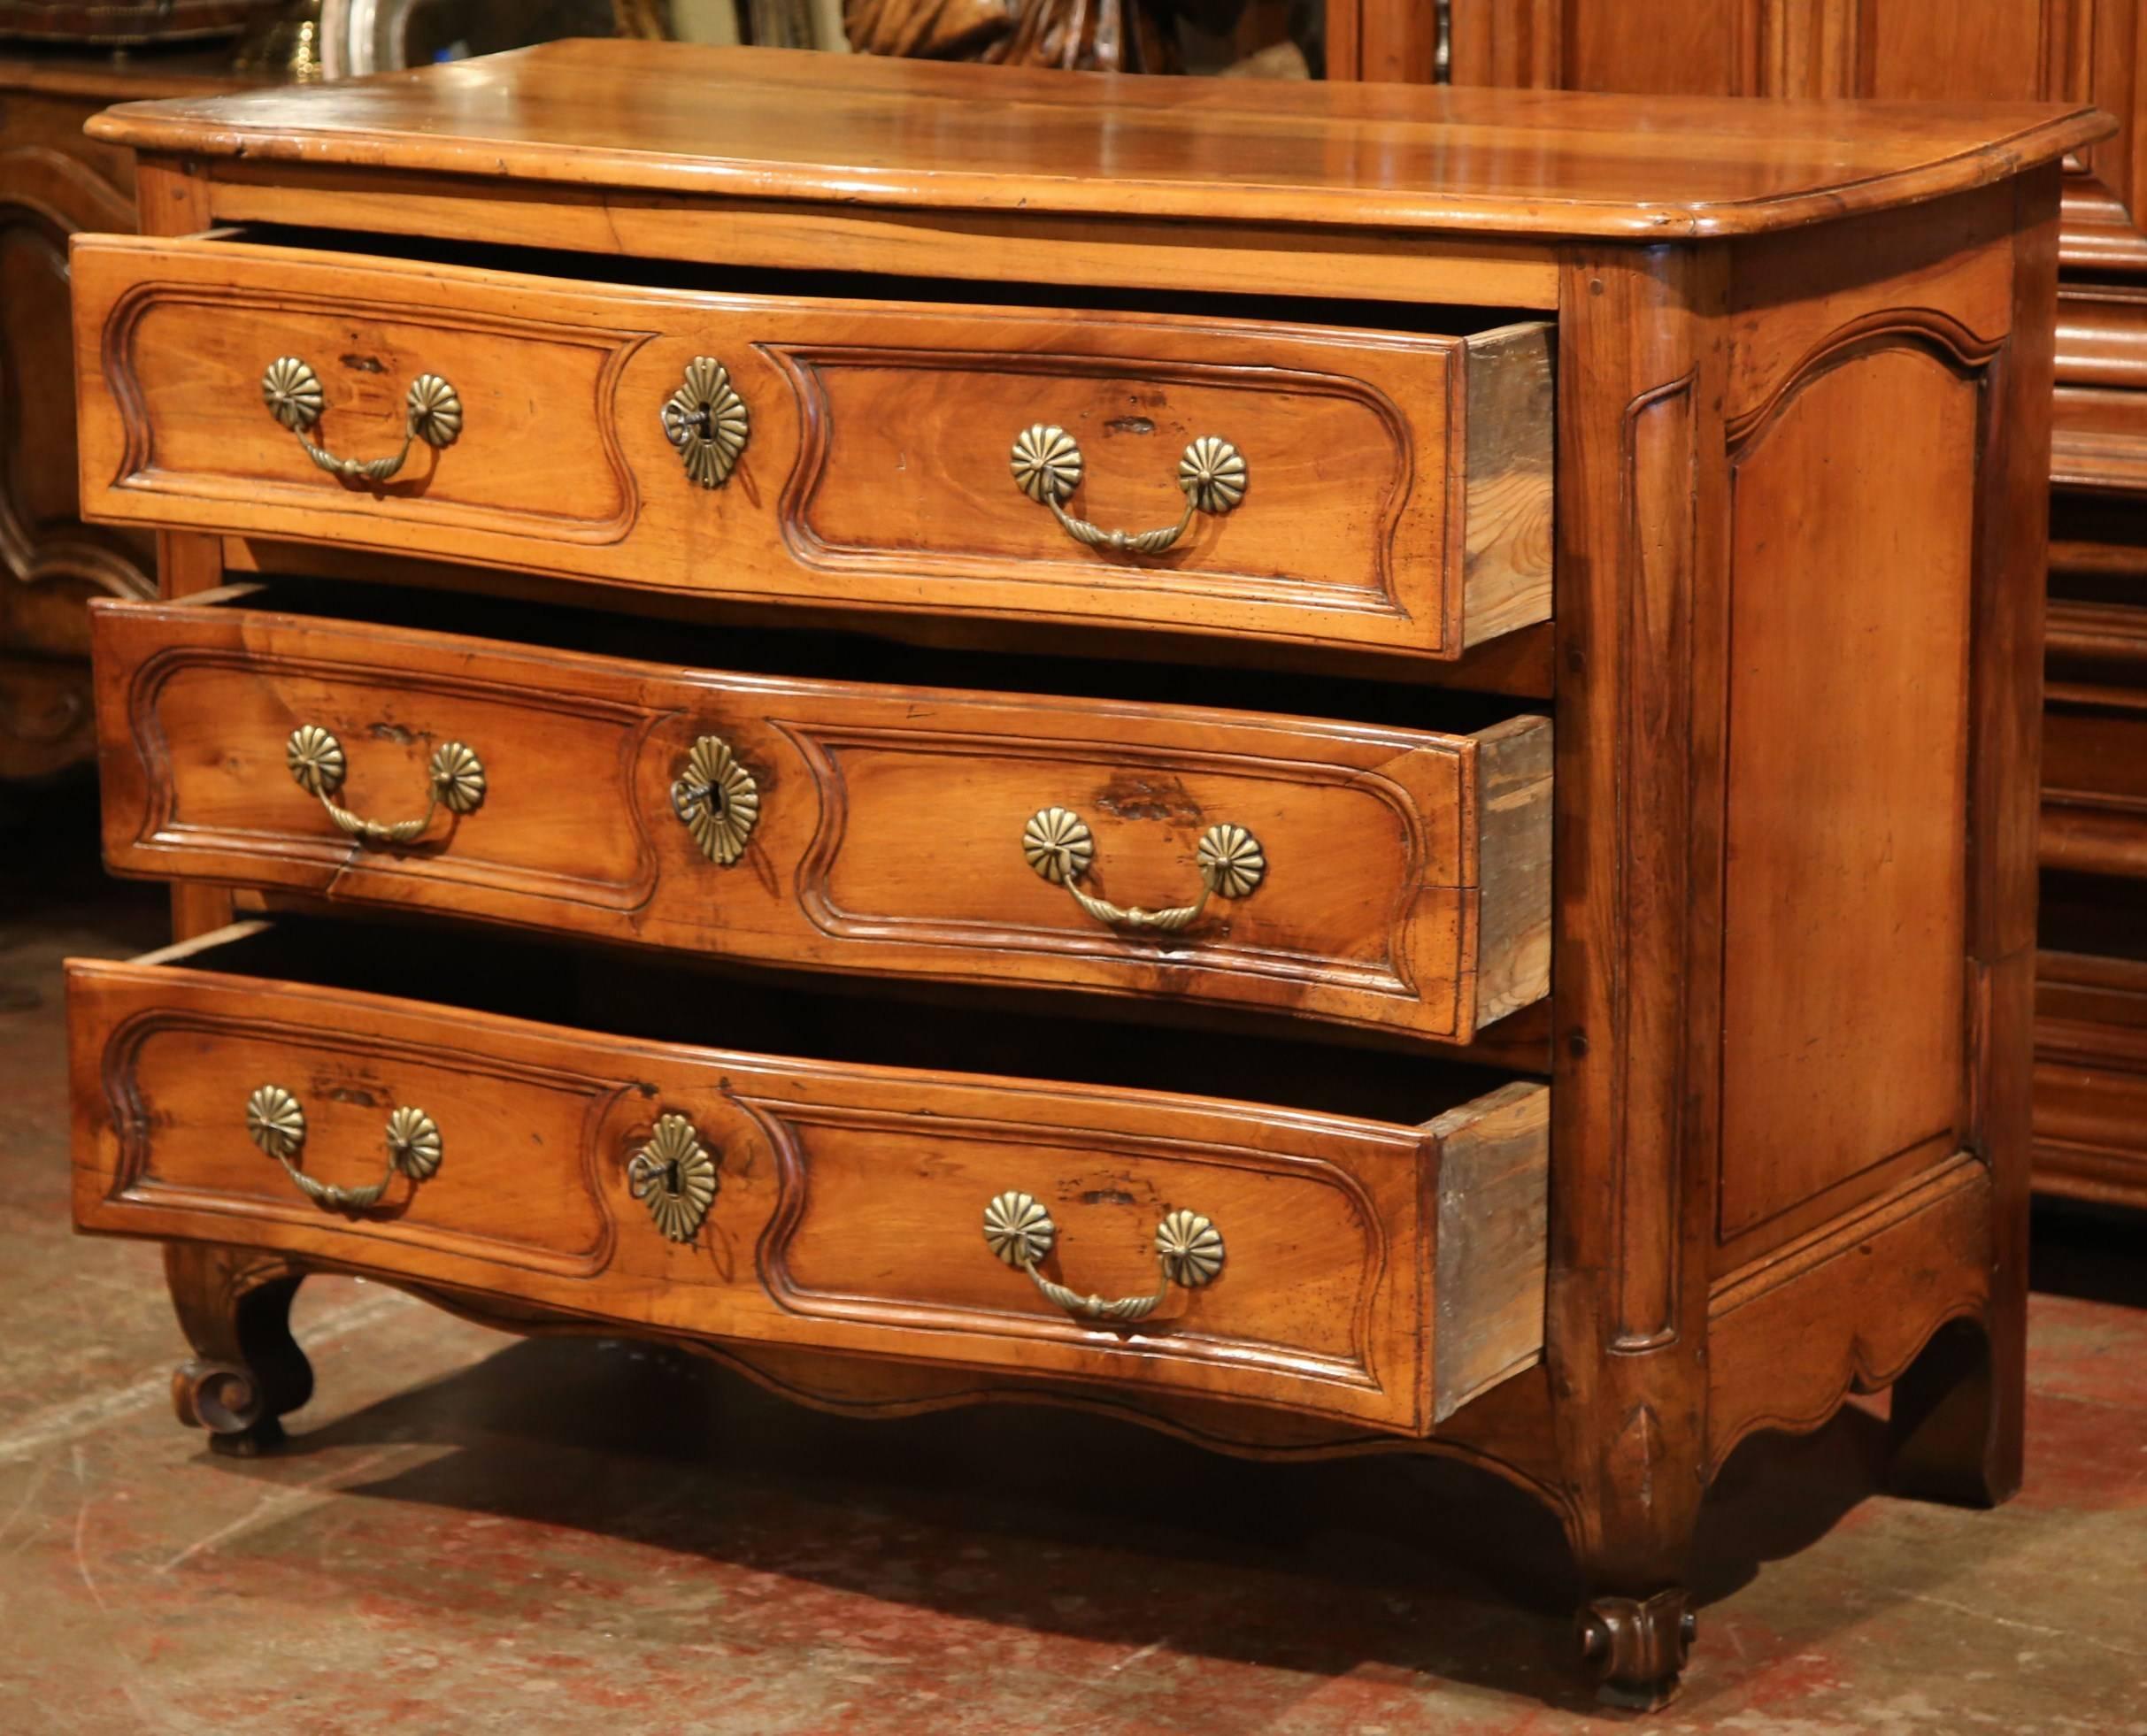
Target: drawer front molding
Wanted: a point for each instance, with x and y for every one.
(846, 455)
(816, 375)
(1402, 882)
(1177, 1168)
(478, 473)
(838, 1205)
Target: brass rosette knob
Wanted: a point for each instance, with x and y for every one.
(718, 801)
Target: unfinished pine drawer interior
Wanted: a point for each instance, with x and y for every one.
(1372, 489)
(348, 1094)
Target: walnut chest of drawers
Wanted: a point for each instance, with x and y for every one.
(1328, 767)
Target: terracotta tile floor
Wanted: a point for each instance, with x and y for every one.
(474, 1534)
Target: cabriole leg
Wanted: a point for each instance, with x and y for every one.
(247, 1372)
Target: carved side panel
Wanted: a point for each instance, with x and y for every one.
(1786, 1352)
(1853, 525)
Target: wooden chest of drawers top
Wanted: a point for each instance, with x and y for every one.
(789, 127)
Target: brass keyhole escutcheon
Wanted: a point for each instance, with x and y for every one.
(674, 1176)
(717, 800)
(707, 422)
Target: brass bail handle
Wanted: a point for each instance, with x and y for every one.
(1018, 1227)
(1047, 466)
(455, 776)
(431, 412)
(276, 1123)
(1060, 849)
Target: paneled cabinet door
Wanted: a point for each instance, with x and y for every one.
(50, 564)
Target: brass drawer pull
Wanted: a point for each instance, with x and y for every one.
(708, 422)
(276, 1122)
(674, 1177)
(455, 775)
(1061, 847)
(1047, 464)
(431, 412)
(1018, 1228)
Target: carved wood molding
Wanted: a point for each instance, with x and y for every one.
(783, 1123)
(821, 747)
(1914, 1254)
(138, 470)
(1500, 1434)
(163, 828)
(807, 369)
(1929, 329)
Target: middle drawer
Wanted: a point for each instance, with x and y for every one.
(1360, 873)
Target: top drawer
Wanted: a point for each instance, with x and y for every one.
(1372, 490)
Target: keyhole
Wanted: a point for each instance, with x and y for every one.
(717, 800)
(671, 1177)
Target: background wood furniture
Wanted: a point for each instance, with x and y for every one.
(53, 182)
(2095, 799)
(1769, 825)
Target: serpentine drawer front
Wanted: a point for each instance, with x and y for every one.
(1288, 1258)
(1369, 875)
(1309, 483)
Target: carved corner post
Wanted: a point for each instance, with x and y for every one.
(248, 1372)
(1956, 1412)
(1640, 551)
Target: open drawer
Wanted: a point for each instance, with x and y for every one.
(348, 1094)
(1371, 876)
(1370, 489)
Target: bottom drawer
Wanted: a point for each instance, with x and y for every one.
(552, 1127)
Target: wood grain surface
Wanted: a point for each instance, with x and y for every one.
(848, 1205)
(1406, 885)
(779, 125)
(1398, 492)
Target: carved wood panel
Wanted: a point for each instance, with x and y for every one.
(1396, 486)
(51, 563)
(848, 1200)
(1404, 887)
